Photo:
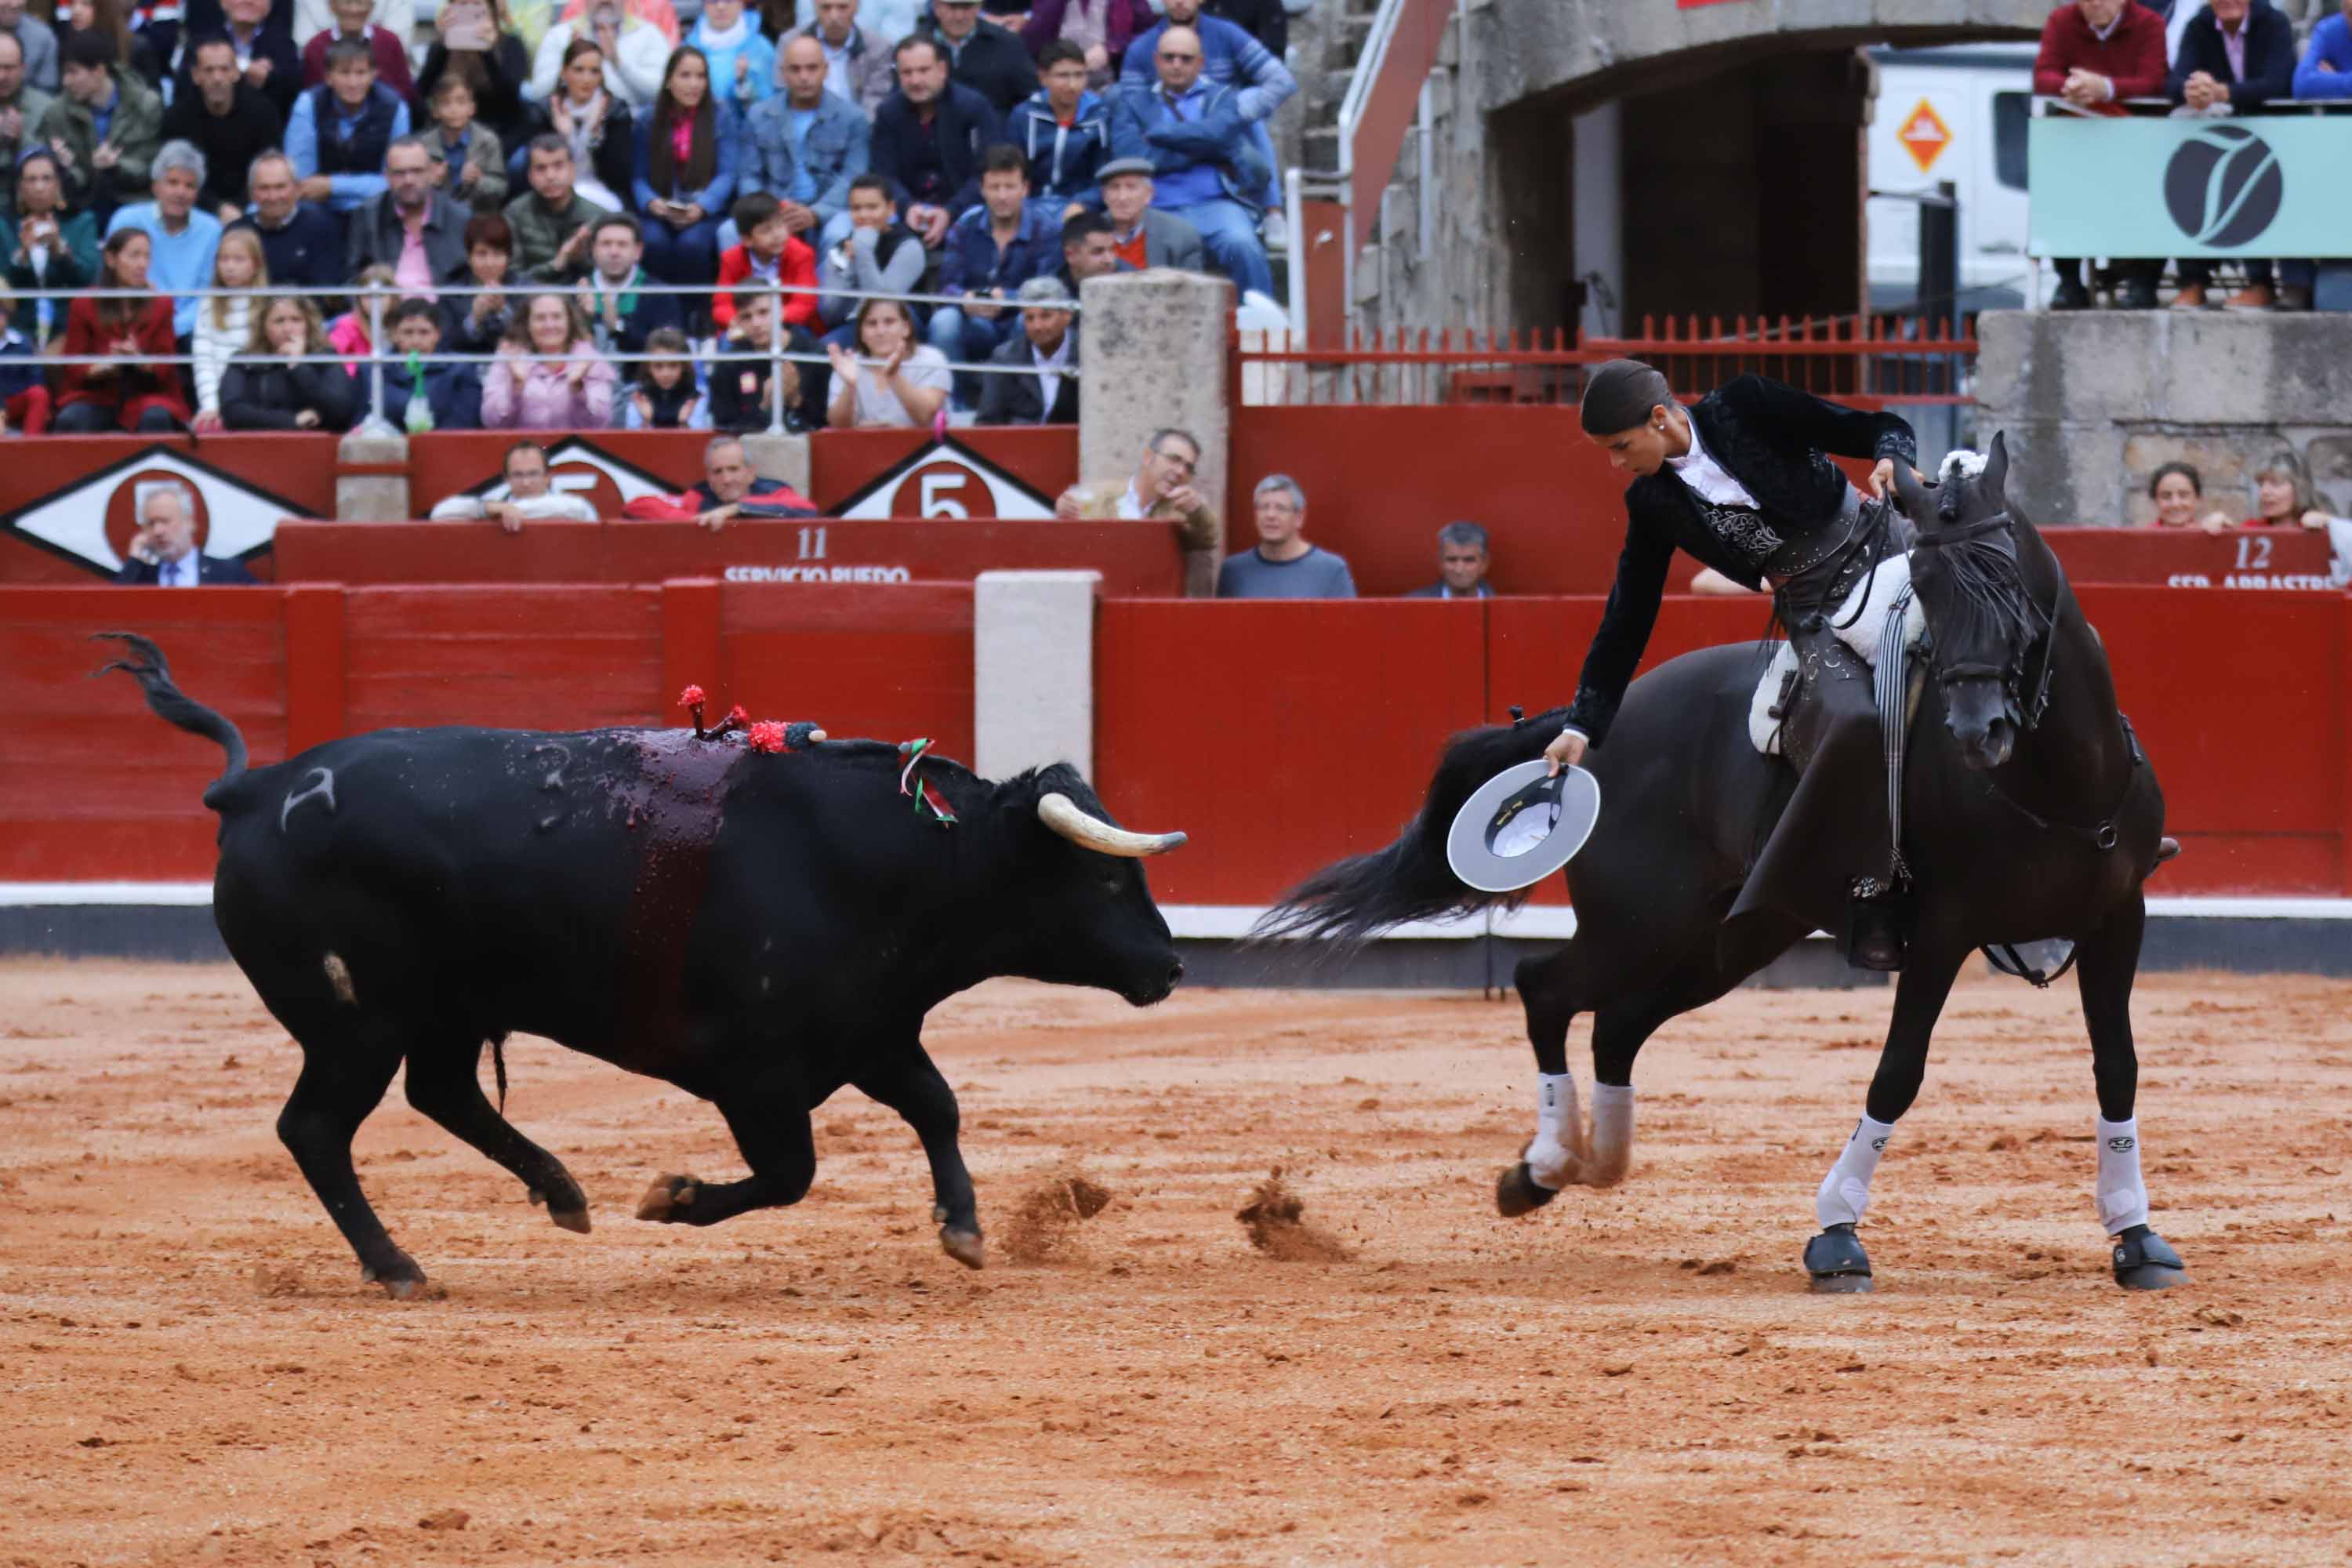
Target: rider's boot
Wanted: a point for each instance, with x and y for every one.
(1875, 926)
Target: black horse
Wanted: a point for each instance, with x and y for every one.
(2029, 813)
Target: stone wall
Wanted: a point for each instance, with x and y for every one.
(2094, 401)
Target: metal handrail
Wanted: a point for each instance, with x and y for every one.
(377, 355)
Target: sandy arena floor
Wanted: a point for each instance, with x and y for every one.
(194, 1374)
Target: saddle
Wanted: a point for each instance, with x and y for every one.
(1880, 616)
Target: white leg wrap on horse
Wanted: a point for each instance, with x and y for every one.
(1846, 1191)
(1553, 1159)
(2122, 1195)
(1613, 1132)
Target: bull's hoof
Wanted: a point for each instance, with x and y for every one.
(571, 1219)
(1517, 1191)
(400, 1278)
(965, 1245)
(1837, 1264)
(668, 1199)
(2145, 1261)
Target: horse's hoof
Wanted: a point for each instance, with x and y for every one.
(965, 1245)
(1517, 1191)
(401, 1280)
(668, 1198)
(2145, 1261)
(571, 1219)
(1837, 1263)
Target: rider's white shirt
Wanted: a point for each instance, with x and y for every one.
(1708, 479)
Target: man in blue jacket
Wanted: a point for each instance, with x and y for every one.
(303, 245)
(1230, 57)
(1062, 128)
(2236, 57)
(928, 140)
(802, 146)
(1205, 169)
(991, 251)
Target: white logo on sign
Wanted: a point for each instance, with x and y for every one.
(949, 494)
(237, 517)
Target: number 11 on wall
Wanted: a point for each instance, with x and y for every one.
(812, 543)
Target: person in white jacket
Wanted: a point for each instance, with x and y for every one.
(224, 325)
(634, 58)
(528, 497)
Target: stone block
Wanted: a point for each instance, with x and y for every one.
(1033, 671)
(2065, 474)
(1153, 344)
(371, 497)
(2216, 368)
(784, 458)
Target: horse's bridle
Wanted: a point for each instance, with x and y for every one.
(2028, 715)
(2100, 834)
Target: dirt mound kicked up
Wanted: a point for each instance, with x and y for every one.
(1275, 1217)
(1044, 1226)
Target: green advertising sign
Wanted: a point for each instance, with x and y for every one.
(2263, 186)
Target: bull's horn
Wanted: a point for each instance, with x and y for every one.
(1061, 813)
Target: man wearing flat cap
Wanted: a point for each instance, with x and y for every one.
(1743, 481)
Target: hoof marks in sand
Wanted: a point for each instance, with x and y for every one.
(668, 1199)
(1517, 1191)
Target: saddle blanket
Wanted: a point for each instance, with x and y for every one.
(1859, 624)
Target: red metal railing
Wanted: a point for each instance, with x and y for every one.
(1887, 359)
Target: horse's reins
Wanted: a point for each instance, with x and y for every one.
(2100, 834)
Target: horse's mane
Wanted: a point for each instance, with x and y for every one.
(1985, 600)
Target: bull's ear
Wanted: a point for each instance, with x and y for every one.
(1995, 471)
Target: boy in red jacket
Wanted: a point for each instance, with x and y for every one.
(770, 253)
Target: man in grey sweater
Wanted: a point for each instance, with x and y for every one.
(1283, 565)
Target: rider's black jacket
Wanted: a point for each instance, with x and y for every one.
(1777, 442)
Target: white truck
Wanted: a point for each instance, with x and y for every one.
(1958, 113)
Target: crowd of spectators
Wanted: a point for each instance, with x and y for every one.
(522, 179)
(2211, 60)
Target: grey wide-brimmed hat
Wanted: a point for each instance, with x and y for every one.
(1118, 166)
(1520, 827)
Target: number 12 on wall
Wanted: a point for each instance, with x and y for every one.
(812, 544)
(2253, 553)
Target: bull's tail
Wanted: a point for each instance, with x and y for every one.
(1354, 899)
(146, 666)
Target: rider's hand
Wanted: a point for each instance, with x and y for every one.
(1565, 752)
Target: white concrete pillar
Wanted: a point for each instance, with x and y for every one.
(1152, 346)
(372, 497)
(1032, 688)
(784, 458)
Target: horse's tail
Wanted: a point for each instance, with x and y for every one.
(1354, 899)
(147, 667)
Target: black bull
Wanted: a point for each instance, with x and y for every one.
(759, 930)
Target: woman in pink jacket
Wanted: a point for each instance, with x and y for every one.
(548, 374)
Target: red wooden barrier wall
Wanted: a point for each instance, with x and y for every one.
(1280, 735)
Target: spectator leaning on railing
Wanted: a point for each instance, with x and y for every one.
(548, 375)
(731, 487)
(2236, 57)
(1039, 383)
(530, 497)
(2178, 492)
(2284, 498)
(267, 387)
(2095, 53)
(1160, 490)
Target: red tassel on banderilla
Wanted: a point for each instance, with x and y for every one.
(762, 735)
